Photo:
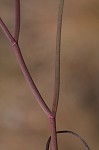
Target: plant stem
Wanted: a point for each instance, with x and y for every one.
(6, 31)
(30, 80)
(57, 77)
(57, 59)
(25, 70)
(73, 134)
(54, 145)
(17, 20)
(36, 93)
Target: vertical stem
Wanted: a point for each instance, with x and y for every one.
(17, 20)
(57, 77)
(54, 145)
(57, 59)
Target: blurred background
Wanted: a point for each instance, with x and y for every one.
(23, 124)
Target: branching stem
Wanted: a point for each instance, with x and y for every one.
(14, 43)
(25, 70)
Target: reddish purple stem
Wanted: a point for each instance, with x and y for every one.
(25, 70)
(57, 77)
(35, 91)
(17, 20)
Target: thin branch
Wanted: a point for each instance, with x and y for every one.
(6, 31)
(57, 59)
(17, 20)
(25, 70)
(72, 133)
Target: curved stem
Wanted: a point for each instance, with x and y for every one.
(57, 59)
(25, 70)
(17, 20)
(72, 133)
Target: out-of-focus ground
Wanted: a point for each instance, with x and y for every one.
(23, 125)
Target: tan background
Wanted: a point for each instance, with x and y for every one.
(23, 125)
